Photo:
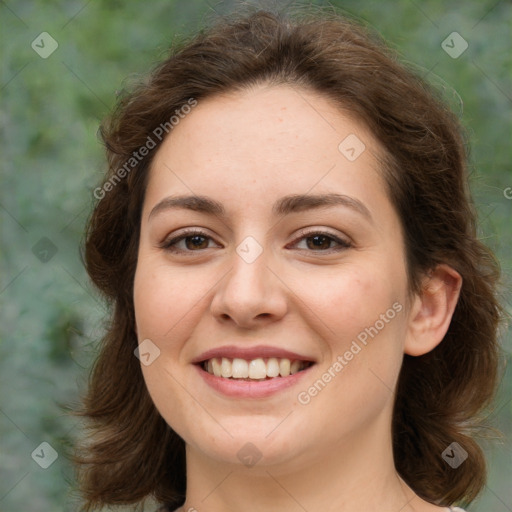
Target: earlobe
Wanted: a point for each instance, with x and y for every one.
(432, 310)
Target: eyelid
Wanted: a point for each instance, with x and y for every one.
(304, 233)
(342, 242)
(169, 241)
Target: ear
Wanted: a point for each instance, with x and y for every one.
(432, 310)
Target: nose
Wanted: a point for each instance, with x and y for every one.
(251, 294)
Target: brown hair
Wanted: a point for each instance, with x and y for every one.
(132, 453)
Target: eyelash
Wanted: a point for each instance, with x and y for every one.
(168, 244)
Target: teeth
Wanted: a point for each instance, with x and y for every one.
(295, 367)
(226, 368)
(272, 367)
(217, 371)
(240, 369)
(256, 369)
(284, 367)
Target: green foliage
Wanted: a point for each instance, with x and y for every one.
(51, 162)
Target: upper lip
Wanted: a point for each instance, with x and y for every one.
(250, 353)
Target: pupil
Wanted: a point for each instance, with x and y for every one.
(196, 240)
(317, 238)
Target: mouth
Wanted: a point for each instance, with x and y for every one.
(254, 370)
(257, 372)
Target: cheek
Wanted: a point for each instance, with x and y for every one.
(164, 312)
(349, 300)
(163, 299)
(363, 328)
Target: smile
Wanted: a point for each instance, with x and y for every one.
(255, 369)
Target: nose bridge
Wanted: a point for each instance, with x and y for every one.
(249, 290)
(249, 271)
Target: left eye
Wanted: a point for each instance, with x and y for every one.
(321, 241)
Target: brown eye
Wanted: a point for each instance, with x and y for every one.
(188, 241)
(196, 242)
(319, 242)
(322, 242)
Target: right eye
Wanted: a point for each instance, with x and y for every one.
(194, 240)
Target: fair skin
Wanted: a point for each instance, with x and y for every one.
(311, 296)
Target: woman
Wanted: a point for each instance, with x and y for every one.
(303, 317)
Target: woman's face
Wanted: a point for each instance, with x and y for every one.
(295, 263)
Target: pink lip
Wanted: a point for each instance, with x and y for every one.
(250, 353)
(246, 389)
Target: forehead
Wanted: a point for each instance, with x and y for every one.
(265, 142)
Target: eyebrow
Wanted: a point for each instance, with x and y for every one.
(285, 205)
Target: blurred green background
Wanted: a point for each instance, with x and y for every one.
(51, 106)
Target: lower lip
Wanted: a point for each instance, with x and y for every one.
(251, 389)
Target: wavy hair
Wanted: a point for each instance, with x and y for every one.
(131, 453)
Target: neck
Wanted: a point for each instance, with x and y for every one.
(354, 474)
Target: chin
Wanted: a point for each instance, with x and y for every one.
(249, 441)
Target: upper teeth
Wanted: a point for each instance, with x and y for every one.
(254, 369)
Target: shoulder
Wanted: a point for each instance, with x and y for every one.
(456, 509)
